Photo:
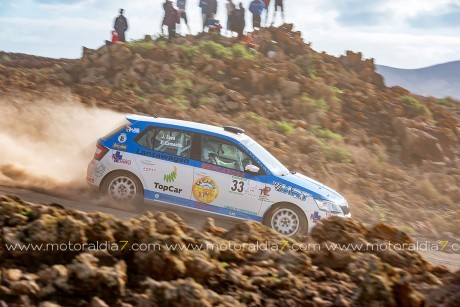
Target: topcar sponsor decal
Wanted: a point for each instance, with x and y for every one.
(285, 189)
(162, 156)
(172, 176)
(132, 130)
(118, 158)
(205, 190)
(122, 138)
(223, 170)
(167, 188)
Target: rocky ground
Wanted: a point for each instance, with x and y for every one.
(394, 155)
(278, 275)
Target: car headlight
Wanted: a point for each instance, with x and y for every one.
(329, 206)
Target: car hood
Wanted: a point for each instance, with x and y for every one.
(316, 187)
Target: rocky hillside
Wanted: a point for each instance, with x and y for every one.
(279, 275)
(393, 155)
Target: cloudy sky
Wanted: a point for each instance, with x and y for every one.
(399, 33)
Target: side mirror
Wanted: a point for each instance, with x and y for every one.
(252, 169)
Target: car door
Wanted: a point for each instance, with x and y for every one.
(163, 158)
(221, 183)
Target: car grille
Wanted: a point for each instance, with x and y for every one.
(345, 209)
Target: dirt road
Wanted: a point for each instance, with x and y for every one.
(193, 218)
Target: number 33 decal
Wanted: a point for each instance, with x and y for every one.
(237, 186)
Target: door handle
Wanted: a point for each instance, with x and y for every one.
(203, 173)
(148, 162)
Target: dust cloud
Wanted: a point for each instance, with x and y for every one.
(47, 145)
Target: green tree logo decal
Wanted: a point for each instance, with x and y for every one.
(172, 176)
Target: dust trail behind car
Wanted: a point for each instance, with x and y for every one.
(46, 144)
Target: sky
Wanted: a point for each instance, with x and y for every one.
(398, 33)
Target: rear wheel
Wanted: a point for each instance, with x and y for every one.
(124, 190)
(287, 219)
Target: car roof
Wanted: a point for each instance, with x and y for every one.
(187, 125)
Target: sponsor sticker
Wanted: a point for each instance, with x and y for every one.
(315, 217)
(223, 170)
(171, 177)
(288, 190)
(205, 190)
(241, 210)
(132, 130)
(99, 169)
(118, 146)
(265, 194)
(118, 158)
(122, 138)
(167, 188)
(162, 156)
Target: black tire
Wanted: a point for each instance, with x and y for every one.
(124, 191)
(283, 214)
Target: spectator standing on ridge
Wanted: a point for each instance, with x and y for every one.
(267, 5)
(204, 4)
(165, 5)
(214, 25)
(121, 26)
(212, 8)
(171, 18)
(183, 13)
(280, 4)
(238, 21)
(230, 9)
(256, 9)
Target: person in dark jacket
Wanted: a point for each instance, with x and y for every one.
(204, 4)
(238, 21)
(256, 8)
(212, 7)
(172, 17)
(121, 26)
(278, 4)
(183, 12)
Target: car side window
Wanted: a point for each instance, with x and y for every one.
(147, 138)
(223, 153)
(173, 142)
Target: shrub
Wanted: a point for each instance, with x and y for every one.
(189, 50)
(443, 102)
(325, 133)
(284, 127)
(180, 101)
(242, 52)
(216, 50)
(337, 154)
(254, 117)
(140, 46)
(420, 108)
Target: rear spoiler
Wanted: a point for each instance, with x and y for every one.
(132, 118)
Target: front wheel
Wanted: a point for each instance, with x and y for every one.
(124, 190)
(287, 219)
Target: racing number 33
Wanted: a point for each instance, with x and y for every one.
(238, 186)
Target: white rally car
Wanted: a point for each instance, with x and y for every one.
(215, 169)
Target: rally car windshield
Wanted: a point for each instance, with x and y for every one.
(266, 157)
